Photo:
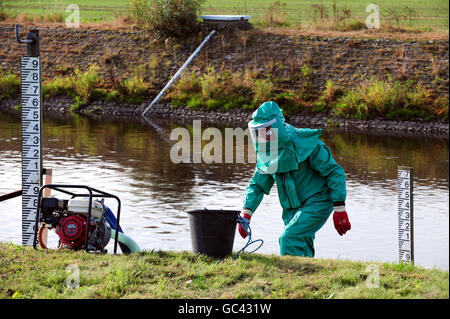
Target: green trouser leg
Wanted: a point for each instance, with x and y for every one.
(300, 228)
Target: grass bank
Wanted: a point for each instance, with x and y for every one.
(27, 273)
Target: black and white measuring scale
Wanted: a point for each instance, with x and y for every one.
(30, 68)
(31, 143)
(405, 214)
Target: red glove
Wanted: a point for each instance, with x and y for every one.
(341, 222)
(242, 231)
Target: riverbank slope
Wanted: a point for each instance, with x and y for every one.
(359, 81)
(29, 273)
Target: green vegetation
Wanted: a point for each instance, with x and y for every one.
(54, 11)
(3, 14)
(83, 86)
(171, 18)
(84, 83)
(28, 273)
(322, 14)
(9, 85)
(389, 99)
(79, 85)
(86, 87)
(224, 90)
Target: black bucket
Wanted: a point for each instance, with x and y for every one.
(213, 231)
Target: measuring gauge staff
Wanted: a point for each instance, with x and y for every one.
(405, 214)
(31, 143)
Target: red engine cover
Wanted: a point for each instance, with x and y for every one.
(72, 231)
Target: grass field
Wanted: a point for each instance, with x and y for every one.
(423, 15)
(29, 273)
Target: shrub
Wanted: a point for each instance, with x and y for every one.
(84, 82)
(210, 84)
(9, 85)
(114, 95)
(213, 104)
(262, 90)
(58, 86)
(385, 98)
(213, 90)
(188, 83)
(195, 102)
(133, 90)
(440, 106)
(167, 18)
(331, 92)
(306, 70)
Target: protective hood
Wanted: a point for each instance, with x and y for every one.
(279, 147)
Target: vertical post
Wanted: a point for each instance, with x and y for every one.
(405, 214)
(31, 133)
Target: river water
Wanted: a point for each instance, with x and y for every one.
(131, 160)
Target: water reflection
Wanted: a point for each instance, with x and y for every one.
(131, 159)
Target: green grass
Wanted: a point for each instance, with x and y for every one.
(9, 85)
(220, 90)
(429, 15)
(83, 86)
(90, 11)
(28, 273)
(389, 99)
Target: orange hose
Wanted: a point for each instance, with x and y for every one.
(41, 242)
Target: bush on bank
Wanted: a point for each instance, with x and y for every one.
(389, 99)
(167, 18)
(225, 90)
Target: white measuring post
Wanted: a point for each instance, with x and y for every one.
(30, 68)
(405, 214)
(31, 144)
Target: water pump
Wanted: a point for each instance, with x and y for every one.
(81, 222)
(69, 220)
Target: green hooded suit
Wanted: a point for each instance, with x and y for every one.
(309, 181)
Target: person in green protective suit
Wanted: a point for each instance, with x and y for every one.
(310, 183)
